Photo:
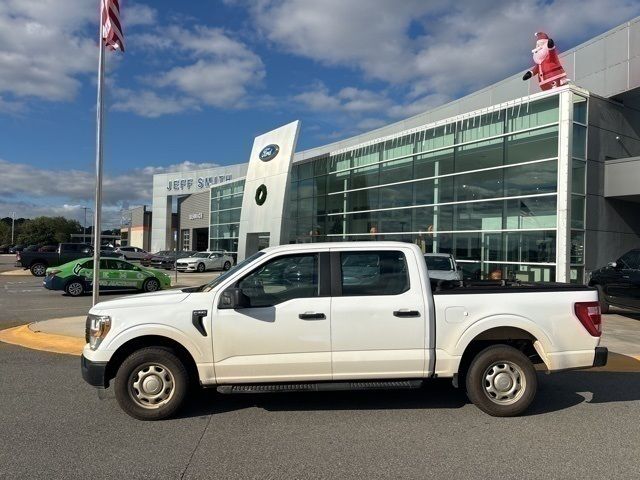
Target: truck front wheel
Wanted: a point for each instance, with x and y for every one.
(38, 269)
(501, 381)
(151, 384)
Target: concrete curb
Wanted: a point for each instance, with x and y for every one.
(23, 336)
(17, 273)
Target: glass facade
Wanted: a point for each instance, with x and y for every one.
(226, 204)
(578, 158)
(483, 188)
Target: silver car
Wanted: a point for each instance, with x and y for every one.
(131, 253)
(442, 266)
(203, 261)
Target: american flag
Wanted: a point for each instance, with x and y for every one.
(111, 26)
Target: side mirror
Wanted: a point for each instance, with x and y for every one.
(233, 298)
(612, 264)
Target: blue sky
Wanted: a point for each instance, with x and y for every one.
(200, 79)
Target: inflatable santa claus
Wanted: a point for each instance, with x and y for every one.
(547, 64)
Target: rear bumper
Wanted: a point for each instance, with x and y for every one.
(93, 372)
(601, 357)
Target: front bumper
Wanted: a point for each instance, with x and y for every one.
(186, 267)
(94, 373)
(601, 357)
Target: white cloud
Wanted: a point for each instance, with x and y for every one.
(138, 14)
(433, 47)
(210, 68)
(38, 191)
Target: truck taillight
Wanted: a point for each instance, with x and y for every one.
(18, 256)
(589, 315)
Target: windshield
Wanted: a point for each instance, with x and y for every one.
(216, 281)
(439, 263)
(200, 255)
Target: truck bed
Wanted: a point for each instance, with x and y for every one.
(453, 287)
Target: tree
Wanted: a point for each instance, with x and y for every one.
(5, 234)
(48, 230)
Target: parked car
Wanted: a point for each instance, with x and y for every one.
(618, 283)
(240, 334)
(442, 266)
(16, 249)
(38, 262)
(203, 261)
(167, 258)
(131, 253)
(76, 277)
(5, 248)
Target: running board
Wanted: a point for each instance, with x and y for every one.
(320, 386)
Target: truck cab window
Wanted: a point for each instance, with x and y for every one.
(374, 273)
(282, 279)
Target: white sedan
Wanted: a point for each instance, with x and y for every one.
(203, 261)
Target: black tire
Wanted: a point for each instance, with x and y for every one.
(227, 265)
(151, 285)
(515, 368)
(201, 268)
(38, 269)
(604, 306)
(169, 374)
(74, 288)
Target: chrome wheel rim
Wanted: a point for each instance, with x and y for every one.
(151, 385)
(152, 286)
(39, 270)
(504, 383)
(75, 289)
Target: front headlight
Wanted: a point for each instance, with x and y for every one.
(96, 329)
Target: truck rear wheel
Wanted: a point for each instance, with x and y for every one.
(38, 269)
(151, 384)
(501, 381)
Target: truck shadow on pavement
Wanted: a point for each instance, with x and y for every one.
(556, 392)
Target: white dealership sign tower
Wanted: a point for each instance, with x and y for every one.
(266, 189)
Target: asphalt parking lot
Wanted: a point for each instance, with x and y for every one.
(582, 425)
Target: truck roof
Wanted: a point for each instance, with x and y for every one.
(343, 245)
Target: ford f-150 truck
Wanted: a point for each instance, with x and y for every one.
(38, 262)
(299, 318)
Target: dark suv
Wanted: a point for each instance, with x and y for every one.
(618, 283)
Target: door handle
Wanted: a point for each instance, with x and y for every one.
(196, 319)
(405, 313)
(311, 316)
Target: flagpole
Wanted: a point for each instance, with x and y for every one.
(99, 151)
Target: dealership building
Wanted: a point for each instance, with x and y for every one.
(540, 186)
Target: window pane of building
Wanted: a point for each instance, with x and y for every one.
(579, 141)
(531, 213)
(396, 171)
(363, 223)
(336, 203)
(537, 246)
(365, 177)
(579, 109)
(479, 185)
(338, 182)
(398, 147)
(533, 145)
(577, 247)
(467, 246)
(395, 221)
(577, 211)
(399, 195)
(479, 155)
(478, 216)
(482, 126)
(532, 114)
(531, 179)
(362, 200)
(433, 164)
(578, 170)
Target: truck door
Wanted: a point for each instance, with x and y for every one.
(378, 315)
(284, 334)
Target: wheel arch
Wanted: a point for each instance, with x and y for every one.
(137, 343)
(527, 338)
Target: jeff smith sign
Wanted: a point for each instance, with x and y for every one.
(200, 182)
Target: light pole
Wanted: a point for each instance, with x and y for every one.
(13, 224)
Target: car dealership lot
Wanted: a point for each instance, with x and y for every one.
(582, 424)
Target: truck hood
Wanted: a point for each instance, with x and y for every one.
(163, 297)
(444, 275)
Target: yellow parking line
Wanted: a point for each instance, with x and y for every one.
(48, 342)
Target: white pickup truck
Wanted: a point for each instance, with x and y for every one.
(331, 316)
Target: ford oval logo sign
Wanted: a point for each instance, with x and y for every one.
(269, 152)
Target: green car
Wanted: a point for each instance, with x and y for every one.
(76, 277)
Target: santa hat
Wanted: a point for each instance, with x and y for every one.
(541, 36)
